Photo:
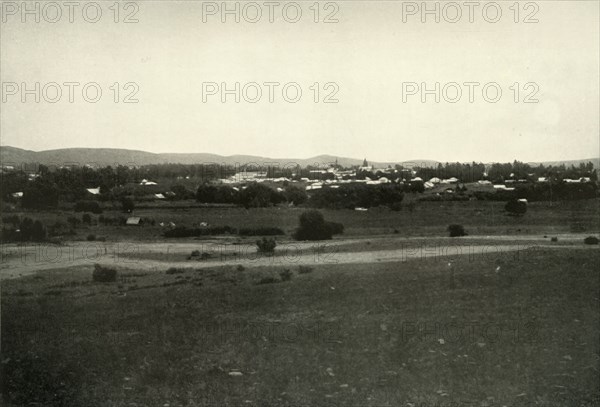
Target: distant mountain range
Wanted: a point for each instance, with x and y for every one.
(114, 156)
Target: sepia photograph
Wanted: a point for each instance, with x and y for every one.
(309, 203)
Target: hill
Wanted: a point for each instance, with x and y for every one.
(116, 156)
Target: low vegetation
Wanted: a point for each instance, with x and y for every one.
(266, 245)
(104, 274)
(313, 226)
(456, 230)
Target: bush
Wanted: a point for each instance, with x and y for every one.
(175, 270)
(286, 275)
(305, 269)
(91, 237)
(266, 245)
(314, 227)
(104, 274)
(590, 240)
(554, 239)
(127, 204)
(515, 207)
(195, 253)
(240, 267)
(456, 230)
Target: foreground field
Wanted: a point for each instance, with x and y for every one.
(509, 330)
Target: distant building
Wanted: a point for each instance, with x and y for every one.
(134, 221)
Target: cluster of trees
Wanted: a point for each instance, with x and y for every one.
(550, 191)
(254, 195)
(499, 172)
(357, 195)
(313, 226)
(23, 230)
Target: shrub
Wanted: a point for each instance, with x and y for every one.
(266, 245)
(286, 275)
(515, 207)
(554, 239)
(590, 240)
(195, 253)
(127, 204)
(104, 274)
(314, 227)
(456, 230)
(240, 267)
(305, 269)
(91, 237)
(175, 270)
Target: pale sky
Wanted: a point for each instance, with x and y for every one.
(369, 53)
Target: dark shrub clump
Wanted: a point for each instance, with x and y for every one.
(175, 270)
(456, 230)
(314, 227)
(104, 274)
(266, 245)
(591, 240)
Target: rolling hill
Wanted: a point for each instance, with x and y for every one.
(115, 156)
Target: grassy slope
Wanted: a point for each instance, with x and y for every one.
(337, 336)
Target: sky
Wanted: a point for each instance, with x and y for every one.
(371, 59)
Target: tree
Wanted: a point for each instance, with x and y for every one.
(295, 195)
(313, 226)
(40, 194)
(259, 196)
(127, 204)
(180, 191)
(515, 207)
(456, 230)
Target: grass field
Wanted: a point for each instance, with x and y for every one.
(512, 331)
(426, 219)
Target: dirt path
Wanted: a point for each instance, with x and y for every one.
(18, 261)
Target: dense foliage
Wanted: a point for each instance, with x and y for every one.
(313, 226)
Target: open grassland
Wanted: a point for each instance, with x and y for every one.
(424, 219)
(514, 330)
